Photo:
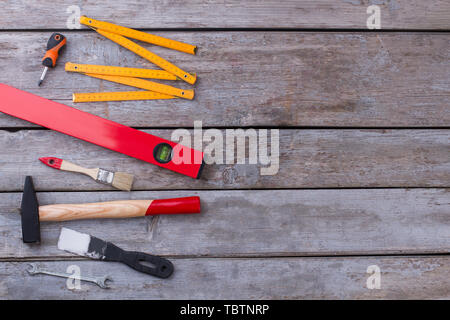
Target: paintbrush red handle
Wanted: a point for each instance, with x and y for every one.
(52, 162)
(65, 165)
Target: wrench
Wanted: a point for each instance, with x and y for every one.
(100, 281)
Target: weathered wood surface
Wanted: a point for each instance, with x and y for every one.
(283, 241)
(255, 223)
(308, 159)
(257, 78)
(285, 278)
(398, 14)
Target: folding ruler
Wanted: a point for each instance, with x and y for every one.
(126, 76)
(118, 33)
(129, 76)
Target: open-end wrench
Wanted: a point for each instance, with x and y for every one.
(100, 281)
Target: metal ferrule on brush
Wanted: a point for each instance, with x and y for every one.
(105, 176)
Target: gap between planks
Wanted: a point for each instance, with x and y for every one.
(422, 254)
(310, 30)
(237, 189)
(36, 127)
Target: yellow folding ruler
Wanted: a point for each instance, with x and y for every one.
(118, 96)
(147, 85)
(127, 76)
(139, 35)
(119, 71)
(118, 33)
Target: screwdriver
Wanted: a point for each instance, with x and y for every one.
(56, 42)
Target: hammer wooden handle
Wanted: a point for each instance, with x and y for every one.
(119, 209)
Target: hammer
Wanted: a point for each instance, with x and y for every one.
(32, 213)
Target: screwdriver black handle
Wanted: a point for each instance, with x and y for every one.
(56, 42)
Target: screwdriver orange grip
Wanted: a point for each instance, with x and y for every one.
(54, 44)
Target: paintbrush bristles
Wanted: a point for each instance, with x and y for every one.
(123, 181)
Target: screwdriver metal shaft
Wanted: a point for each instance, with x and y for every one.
(43, 76)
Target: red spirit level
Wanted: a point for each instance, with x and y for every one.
(102, 132)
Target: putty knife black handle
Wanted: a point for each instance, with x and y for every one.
(142, 262)
(156, 266)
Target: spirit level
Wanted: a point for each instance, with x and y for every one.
(108, 134)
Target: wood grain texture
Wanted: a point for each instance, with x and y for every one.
(398, 14)
(256, 78)
(286, 278)
(308, 159)
(254, 223)
(104, 210)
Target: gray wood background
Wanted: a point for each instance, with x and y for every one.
(363, 118)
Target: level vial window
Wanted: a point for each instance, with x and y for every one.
(163, 153)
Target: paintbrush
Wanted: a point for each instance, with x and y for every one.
(85, 245)
(119, 180)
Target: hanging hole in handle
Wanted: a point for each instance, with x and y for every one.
(51, 161)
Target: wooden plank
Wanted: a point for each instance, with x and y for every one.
(286, 278)
(307, 159)
(257, 78)
(399, 14)
(255, 223)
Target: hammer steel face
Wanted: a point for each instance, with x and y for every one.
(30, 213)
